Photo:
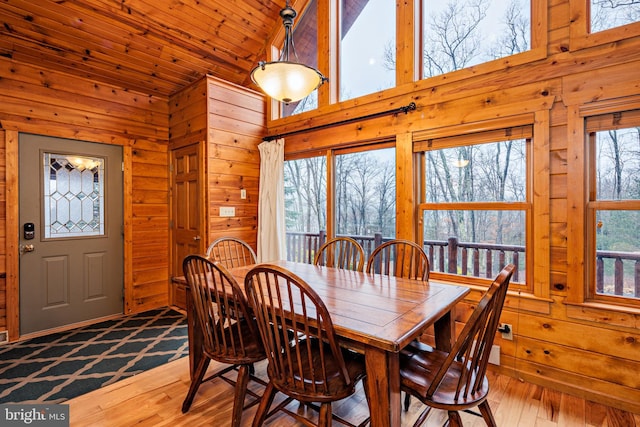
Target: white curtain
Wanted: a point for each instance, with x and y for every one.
(271, 224)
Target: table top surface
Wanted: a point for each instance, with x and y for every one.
(382, 311)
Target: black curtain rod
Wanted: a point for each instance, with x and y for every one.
(410, 107)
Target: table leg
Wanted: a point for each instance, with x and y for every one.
(445, 331)
(383, 384)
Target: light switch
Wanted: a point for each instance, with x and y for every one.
(243, 194)
(227, 211)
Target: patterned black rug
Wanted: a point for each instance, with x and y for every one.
(64, 365)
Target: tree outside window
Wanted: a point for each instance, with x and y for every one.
(366, 193)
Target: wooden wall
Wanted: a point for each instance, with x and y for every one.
(230, 121)
(593, 353)
(35, 100)
(236, 124)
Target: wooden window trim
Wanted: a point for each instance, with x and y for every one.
(595, 124)
(580, 23)
(537, 292)
(580, 304)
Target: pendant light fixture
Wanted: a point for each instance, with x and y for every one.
(287, 80)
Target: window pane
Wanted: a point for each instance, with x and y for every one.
(305, 188)
(366, 196)
(607, 14)
(459, 34)
(475, 242)
(367, 48)
(73, 196)
(618, 164)
(305, 38)
(618, 253)
(493, 172)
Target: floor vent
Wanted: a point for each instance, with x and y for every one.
(4, 337)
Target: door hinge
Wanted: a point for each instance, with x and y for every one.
(122, 166)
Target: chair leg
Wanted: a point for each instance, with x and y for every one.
(407, 401)
(265, 403)
(422, 417)
(454, 419)
(487, 415)
(240, 392)
(201, 369)
(325, 418)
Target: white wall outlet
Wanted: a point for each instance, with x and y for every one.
(506, 330)
(227, 211)
(243, 193)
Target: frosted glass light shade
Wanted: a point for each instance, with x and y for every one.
(286, 81)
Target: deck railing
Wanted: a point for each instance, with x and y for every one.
(478, 259)
(618, 286)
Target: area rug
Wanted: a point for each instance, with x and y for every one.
(64, 365)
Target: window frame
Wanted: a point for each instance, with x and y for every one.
(580, 36)
(526, 206)
(593, 124)
(409, 44)
(535, 291)
(579, 304)
(539, 25)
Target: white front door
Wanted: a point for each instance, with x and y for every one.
(71, 235)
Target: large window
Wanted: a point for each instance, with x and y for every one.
(459, 34)
(613, 208)
(476, 203)
(606, 14)
(367, 47)
(361, 203)
(305, 193)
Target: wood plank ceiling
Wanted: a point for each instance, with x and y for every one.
(156, 47)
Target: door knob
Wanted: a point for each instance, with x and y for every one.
(26, 248)
(197, 238)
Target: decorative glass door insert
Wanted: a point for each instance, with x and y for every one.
(73, 195)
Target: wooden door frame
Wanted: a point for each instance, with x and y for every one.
(12, 230)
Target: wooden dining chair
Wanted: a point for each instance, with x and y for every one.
(341, 252)
(400, 258)
(230, 333)
(305, 361)
(456, 380)
(231, 252)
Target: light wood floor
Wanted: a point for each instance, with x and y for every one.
(154, 398)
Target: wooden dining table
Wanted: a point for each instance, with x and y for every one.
(375, 314)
